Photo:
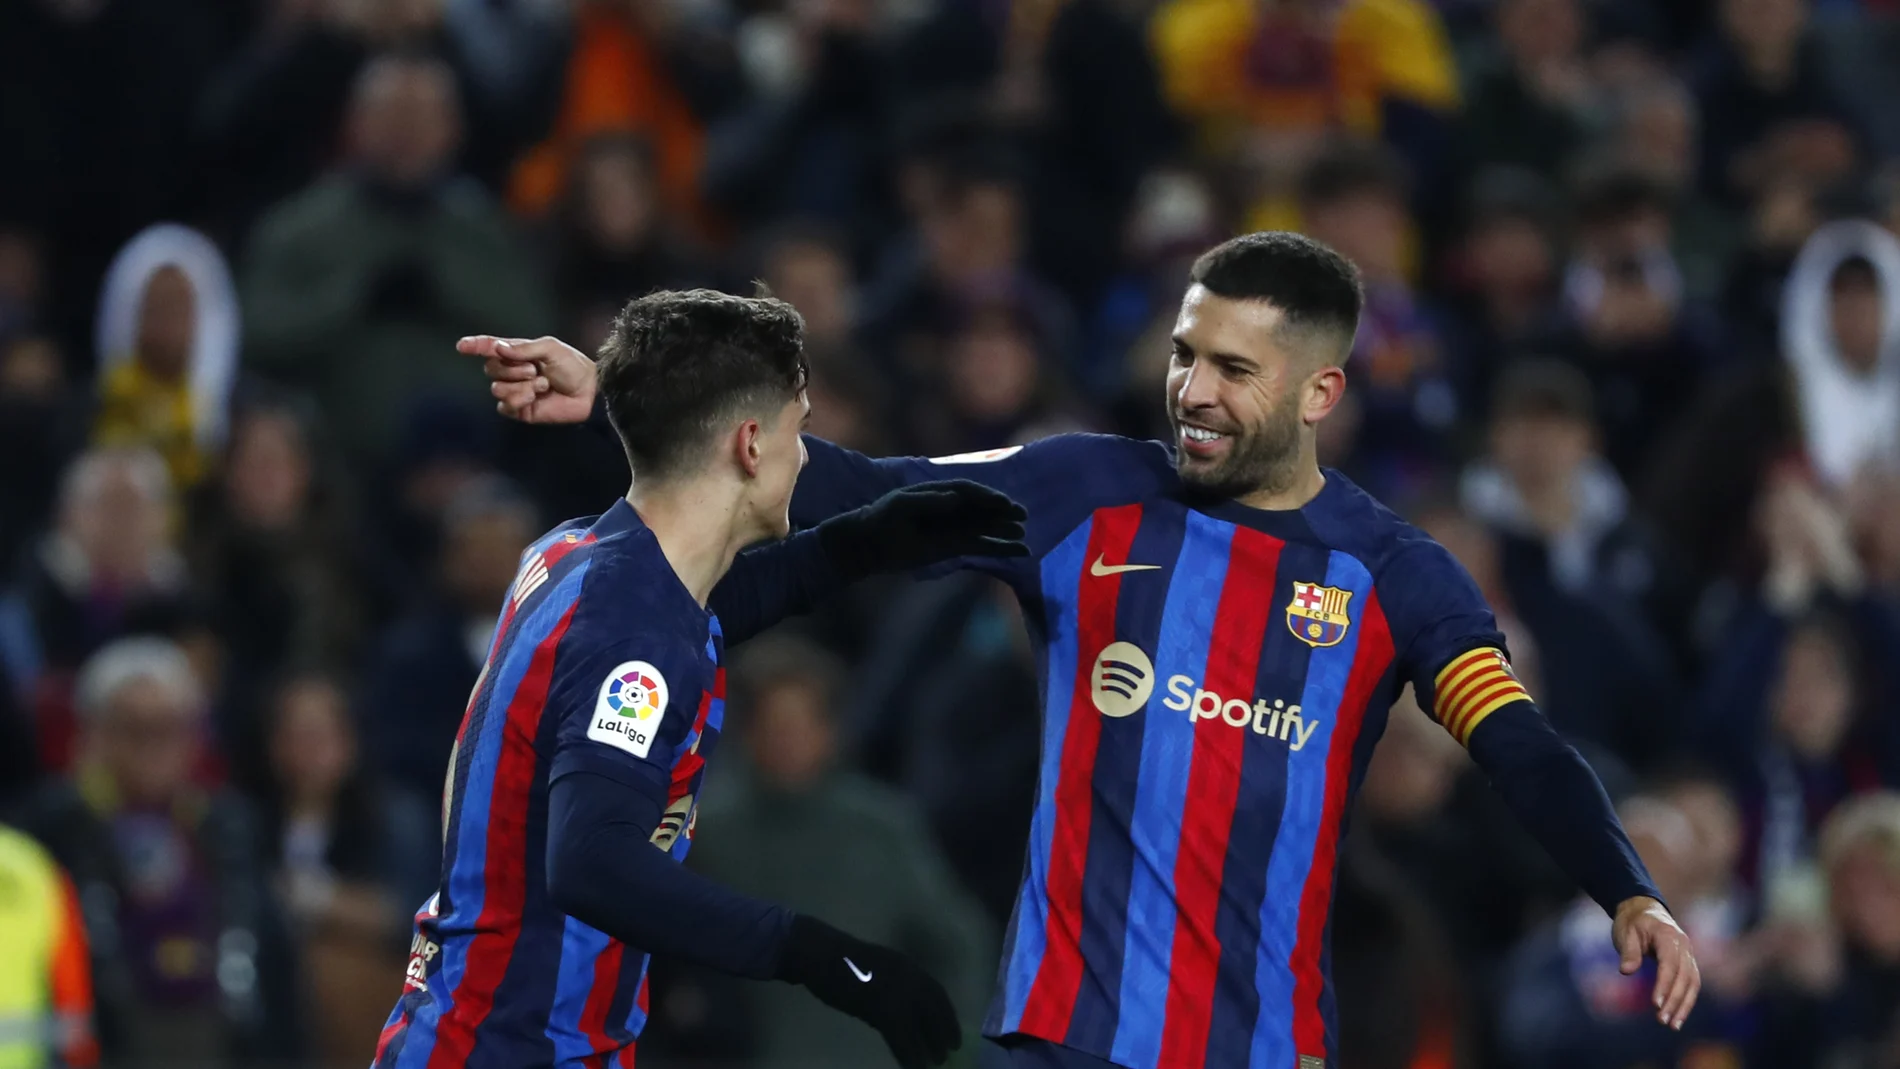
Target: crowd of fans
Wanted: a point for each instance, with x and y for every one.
(1631, 351)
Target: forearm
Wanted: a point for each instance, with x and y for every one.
(1560, 801)
(604, 871)
(837, 480)
(771, 582)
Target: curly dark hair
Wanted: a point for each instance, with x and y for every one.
(679, 364)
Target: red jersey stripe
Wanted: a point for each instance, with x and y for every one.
(1369, 664)
(503, 891)
(593, 1022)
(1233, 659)
(1051, 998)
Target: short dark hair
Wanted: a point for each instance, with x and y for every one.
(1614, 194)
(678, 363)
(1544, 387)
(1348, 169)
(1315, 287)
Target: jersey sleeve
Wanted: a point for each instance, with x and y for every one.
(1451, 649)
(627, 709)
(1059, 480)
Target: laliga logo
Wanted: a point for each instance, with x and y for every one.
(1122, 680)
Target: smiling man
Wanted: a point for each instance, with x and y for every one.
(1222, 627)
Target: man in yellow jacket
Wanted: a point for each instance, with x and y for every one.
(45, 978)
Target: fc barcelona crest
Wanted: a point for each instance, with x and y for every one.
(1317, 614)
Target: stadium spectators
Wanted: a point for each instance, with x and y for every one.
(188, 964)
(801, 831)
(351, 861)
(984, 212)
(168, 341)
(373, 272)
(278, 563)
(419, 677)
(108, 568)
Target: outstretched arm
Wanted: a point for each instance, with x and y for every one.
(1463, 679)
(904, 530)
(615, 824)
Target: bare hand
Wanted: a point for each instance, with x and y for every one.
(1644, 928)
(543, 380)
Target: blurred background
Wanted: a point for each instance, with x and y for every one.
(1632, 352)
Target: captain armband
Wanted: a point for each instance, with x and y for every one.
(1473, 686)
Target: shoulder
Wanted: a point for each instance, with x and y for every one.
(309, 212)
(1355, 523)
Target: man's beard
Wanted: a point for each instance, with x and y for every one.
(1263, 459)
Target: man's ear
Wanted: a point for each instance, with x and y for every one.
(1323, 391)
(748, 443)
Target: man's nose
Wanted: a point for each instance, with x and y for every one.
(1199, 389)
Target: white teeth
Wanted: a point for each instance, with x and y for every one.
(1200, 434)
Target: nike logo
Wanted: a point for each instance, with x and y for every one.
(863, 977)
(1101, 569)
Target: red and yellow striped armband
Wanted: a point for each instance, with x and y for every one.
(1473, 686)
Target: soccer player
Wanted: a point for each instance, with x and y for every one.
(1222, 627)
(576, 772)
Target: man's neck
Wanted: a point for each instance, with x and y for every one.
(697, 523)
(1306, 484)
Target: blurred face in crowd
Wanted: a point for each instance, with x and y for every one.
(814, 278)
(1366, 227)
(791, 738)
(1414, 767)
(1243, 390)
(116, 509)
(313, 745)
(993, 369)
(1762, 27)
(480, 553)
(973, 234)
(405, 120)
(1541, 451)
(147, 737)
(1813, 701)
(168, 320)
(617, 198)
(1537, 31)
(267, 472)
(1510, 259)
(1664, 840)
(1856, 312)
(1659, 135)
(1717, 827)
(1865, 888)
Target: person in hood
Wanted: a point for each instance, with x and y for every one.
(167, 340)
(1840, 334)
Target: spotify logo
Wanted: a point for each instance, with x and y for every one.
(1122, 679)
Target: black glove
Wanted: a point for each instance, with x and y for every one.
(921, 525)
(878, 986)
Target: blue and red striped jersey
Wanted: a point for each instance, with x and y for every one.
(602, 662)
(1214, 678)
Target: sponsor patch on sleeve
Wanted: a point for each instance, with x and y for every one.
(631, 705)
(983, 456)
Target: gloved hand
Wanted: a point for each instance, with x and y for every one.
(878, 986)
(923, 524)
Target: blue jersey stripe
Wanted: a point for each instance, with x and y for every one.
(1167, 750)
(466, 878)
(1327, 671)
(1111, 859)
(1061, 587)
(1280, 677)
(581, 947)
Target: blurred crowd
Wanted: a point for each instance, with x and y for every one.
(1631, 351)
